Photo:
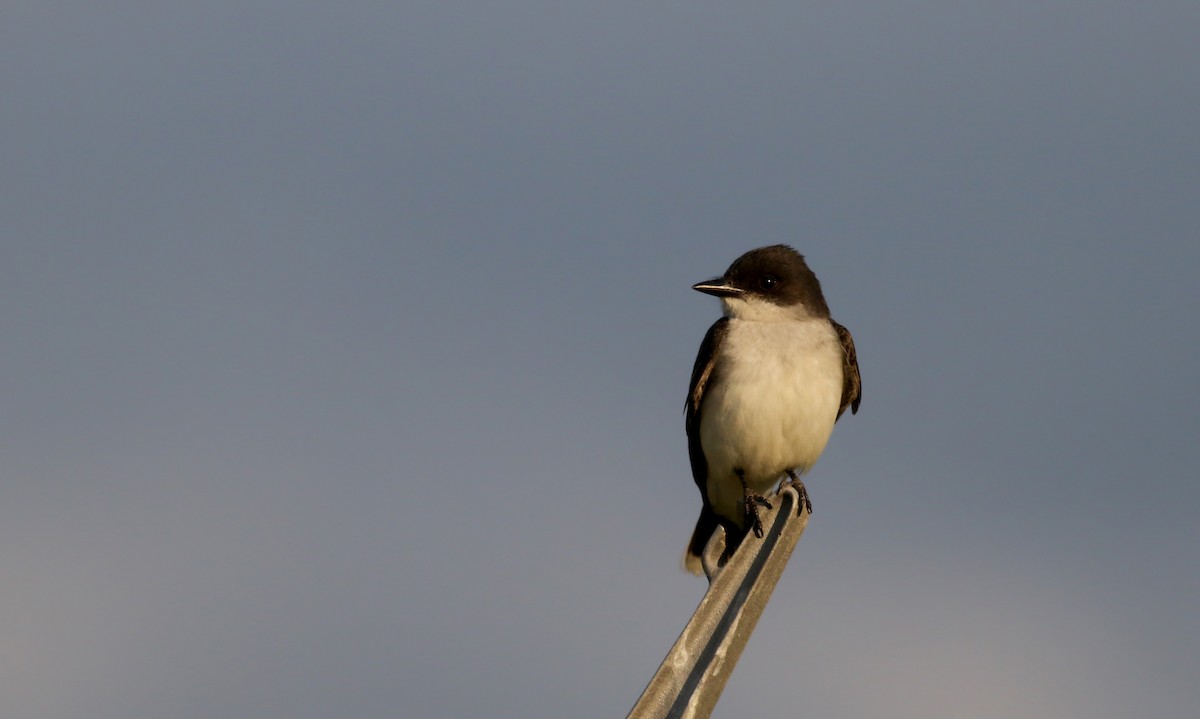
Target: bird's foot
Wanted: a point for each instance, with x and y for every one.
(750, 504)
(805, 502)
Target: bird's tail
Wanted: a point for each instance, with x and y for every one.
(705, 526)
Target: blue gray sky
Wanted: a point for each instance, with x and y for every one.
(345, 348)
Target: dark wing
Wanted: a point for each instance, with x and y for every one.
(702, 371)
(852, 382)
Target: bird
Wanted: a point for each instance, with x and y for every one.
(772, 377)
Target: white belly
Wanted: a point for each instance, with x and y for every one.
(772, 409)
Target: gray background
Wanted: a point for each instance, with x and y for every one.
(345, 346)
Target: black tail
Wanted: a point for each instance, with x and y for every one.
(705, 526)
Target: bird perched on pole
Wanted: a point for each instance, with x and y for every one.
(772, 377)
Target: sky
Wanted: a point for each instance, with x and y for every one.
(345, 349)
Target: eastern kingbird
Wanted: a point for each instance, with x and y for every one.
(771, 379)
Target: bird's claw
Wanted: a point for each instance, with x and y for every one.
(752, 503)
(805, 503)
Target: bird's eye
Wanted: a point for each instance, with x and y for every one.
(768, 282)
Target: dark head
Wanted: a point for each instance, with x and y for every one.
(768, 282)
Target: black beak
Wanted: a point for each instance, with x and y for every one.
(718, 287)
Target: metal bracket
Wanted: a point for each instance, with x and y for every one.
(691, 678)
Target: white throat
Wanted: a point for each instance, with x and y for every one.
(756, 309)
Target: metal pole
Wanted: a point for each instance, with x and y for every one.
(691, 678)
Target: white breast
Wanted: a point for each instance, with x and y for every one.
(771, 405)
